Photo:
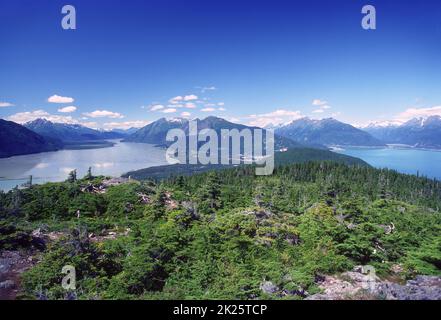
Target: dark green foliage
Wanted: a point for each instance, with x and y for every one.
(219, 235)
(72, 177)
(44, 280)
(12, 237)
(294, 155)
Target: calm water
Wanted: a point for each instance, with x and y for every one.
(124, 157)
(427, 162)
(55, 166)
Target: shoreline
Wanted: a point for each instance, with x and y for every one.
(337, 148)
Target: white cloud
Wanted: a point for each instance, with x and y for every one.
(210, 88)
(208, 109)
(190, 97)
(321, 104)
(176, 99)
(419, 112)
(5, 104)
(91, 124)
(59, 99)
(273, 118)
(402, 117)
(180, 99)
(169, 110)
(68, 109)
(126, 124)
(221, 104)
(23, 117)
(103, 114)
(185, 114)
(190, 105)
(157, 107)
(221, 109)
(318, 102)
(233, 119)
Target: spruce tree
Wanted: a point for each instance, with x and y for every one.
(72, 177)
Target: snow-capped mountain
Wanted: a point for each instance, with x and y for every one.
(422, 132)
(156, 132)
(382, 124)
(69, 132)
(327, 132)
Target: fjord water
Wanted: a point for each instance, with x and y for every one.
(125, 156)
(406, 160)
(55, 166)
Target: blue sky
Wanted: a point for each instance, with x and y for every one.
(256, 62)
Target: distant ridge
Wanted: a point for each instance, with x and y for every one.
(69, 132)
(423, 132)
(16, 139)
(156, 132)
(328, 132)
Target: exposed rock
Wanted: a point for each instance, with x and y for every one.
(7, 284)
(351, 226)
(260, 214)
(191, 209)
(335, 289)
(397, 269)
(103, 186)
(37, 232)
(12, 265)
(297, 292)
(108, 235)
(115, 181)
(143, 198)
(388, 229)
(268, 287)
(358, 284)
(293, 239)
(422, 288)
(53, 236)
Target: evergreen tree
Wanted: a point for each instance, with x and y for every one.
(212, 192)
(89, 175)
(159, 204)
(72, 177)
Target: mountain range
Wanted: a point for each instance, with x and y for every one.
(16, 140)
(42, 135)
(328, 132)
(156, 132)
(423, 132)
(70, 132)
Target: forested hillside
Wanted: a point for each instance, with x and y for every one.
(296, 155)
(223, 234)
(17, 140)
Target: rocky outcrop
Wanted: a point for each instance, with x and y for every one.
(268, 287)
(421, 288)
(357, 284)
(12, 265)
